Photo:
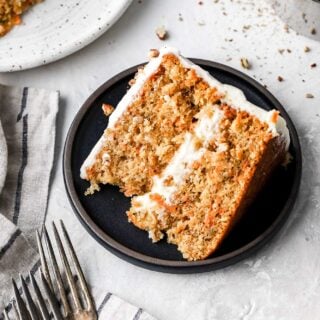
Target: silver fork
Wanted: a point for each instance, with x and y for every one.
(76, 310)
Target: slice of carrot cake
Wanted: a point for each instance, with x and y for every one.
(192, 151)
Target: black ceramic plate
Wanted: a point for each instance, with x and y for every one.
(103, 214)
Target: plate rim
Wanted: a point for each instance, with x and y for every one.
(71, 47)
(174, 266)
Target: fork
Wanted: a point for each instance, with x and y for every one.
(76, 310)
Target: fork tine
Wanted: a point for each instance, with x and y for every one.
(74, 258)
(52, 299)
(66, 265)
(44, 265)
(41, 302)
(14, 307)
(5, 313)
(56, 271)
(22, 309)
(31, 306)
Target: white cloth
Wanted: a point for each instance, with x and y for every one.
(27, 137)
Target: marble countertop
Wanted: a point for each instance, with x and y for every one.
(281, 281)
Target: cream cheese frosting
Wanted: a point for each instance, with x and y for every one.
(206, 130)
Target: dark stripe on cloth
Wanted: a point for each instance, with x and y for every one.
(10, 242)
(104, 302)
(24, 163)
(138, 314)
(23, 103)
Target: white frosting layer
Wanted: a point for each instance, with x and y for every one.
(181, 164)
(231, 96)
(91, 157)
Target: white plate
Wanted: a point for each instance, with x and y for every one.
(54, 29)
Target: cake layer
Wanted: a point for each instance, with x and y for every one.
(142, 137)
(210, 182)
(149, 123)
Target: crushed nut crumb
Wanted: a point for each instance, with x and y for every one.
(281, 51)
(132, 82)
(153, 53)
(306, 49)
(309, 95)
(245, 63)
(107, 109)
(161, 32)
(280, 79)
(313, 31)
(304, 17)
(313, 65)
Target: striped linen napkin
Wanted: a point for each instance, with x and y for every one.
(27, 137)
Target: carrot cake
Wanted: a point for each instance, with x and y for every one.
(11, 11)
(191, 151)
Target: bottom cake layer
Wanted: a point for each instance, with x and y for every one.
(210, 181)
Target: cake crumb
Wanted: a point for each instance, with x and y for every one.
(107, 109)
(132, 82)
(313, 31)
(162, 33)
(280, 79)
(309, 96)
(287, 160)
(306, 49)
(281, 51)
(245, 63)
(153, 53)
(313, 65)
(168, 181)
